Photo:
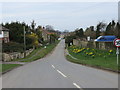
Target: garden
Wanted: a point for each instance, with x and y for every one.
(105, 59)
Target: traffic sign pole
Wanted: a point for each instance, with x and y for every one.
(117, 52)
(117, 44)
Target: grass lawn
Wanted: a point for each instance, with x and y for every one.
(39, 53)
(93, 57)
(6, 67)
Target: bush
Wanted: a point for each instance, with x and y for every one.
(69, 39)
(12, 47)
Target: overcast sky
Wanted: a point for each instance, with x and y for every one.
(61, 15)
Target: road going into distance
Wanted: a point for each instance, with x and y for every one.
(54, 71)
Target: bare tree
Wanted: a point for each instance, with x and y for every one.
(49, 28)
(33, 24)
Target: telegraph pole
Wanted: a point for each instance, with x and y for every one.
(24, 42)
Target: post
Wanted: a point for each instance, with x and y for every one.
(24, 42)
(117, 52)
(117, 44)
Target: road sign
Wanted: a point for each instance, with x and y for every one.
(117, 42)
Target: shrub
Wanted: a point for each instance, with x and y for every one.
(14, 47)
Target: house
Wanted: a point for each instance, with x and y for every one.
(4, 34)
(45, 34)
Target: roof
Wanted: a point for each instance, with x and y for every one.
(3, 28)
(47, 32)
(105, 38)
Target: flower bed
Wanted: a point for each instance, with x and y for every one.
(94, 57)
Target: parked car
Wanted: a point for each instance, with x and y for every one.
(105, 39)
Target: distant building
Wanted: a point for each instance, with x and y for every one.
(45, 34)
(4, 34)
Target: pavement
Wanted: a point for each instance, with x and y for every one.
(54, 71)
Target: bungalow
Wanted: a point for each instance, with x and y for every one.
(4, 34)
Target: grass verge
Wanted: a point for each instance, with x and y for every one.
(7, 67)
(101, 58)
(35, 55)
(39, 53)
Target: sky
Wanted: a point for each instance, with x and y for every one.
(61, 15)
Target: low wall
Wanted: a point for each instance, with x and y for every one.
(14, 55)
(0, 49)
(92, 44)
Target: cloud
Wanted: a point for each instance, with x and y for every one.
(59, 0)
(62, 15)
(26, 14)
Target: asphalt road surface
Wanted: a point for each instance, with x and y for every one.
(54, 71)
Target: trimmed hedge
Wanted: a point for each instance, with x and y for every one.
(14, 47)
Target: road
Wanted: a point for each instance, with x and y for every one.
(54, 71)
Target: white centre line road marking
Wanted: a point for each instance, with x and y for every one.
(53, 66)
(65, 76)
(61, 73)
(76, 85)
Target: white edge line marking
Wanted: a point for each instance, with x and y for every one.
(76, 85)
(61, 73)
(53, 66)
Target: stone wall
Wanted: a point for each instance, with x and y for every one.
(92, 44)
(14, 55)
(0, 49)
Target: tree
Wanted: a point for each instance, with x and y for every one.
(16, 31)
(100, 28)
(109, 30)
(49, 28)
(113, 23)
(66, 31)
(69, 39)
(34, 39)
(39, 34)
(92, 28)
(90, 32)
(117, 30)
(53, 37)
(79, 33)
(33, 24)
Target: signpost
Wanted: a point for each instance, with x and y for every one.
(117, 44)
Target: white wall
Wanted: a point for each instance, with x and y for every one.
(1, 35)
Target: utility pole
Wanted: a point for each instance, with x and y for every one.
(24, 42)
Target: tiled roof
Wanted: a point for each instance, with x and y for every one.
(47, 32)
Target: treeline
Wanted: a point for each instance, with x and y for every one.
(112, 28)
(33, 35)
